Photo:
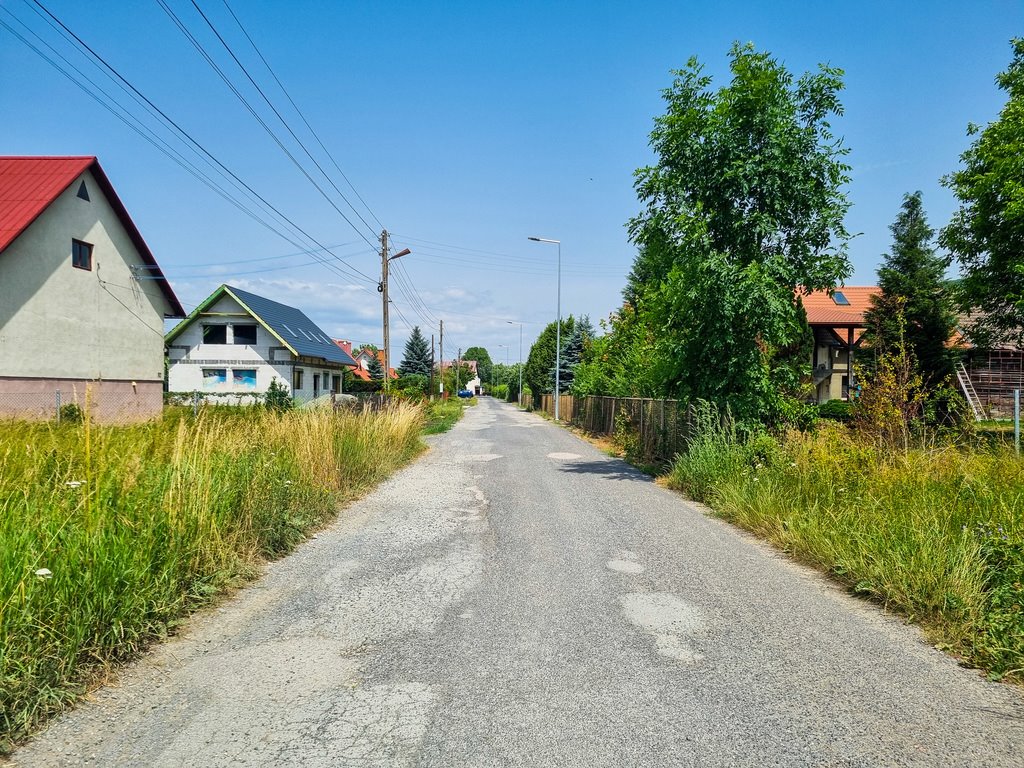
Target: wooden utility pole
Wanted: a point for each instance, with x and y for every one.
(431, 388)
(441, 358)
(383, 288)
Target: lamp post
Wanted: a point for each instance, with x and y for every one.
(558, 327)
(520, 397)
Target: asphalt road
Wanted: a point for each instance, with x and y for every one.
(517, 598)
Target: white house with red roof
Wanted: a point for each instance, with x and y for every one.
(82, 299)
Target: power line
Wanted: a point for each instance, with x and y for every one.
(252, 111)
(300, 113)
(185, 136)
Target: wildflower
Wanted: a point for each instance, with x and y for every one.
(73, 483)
(44, 573)
(792, 463)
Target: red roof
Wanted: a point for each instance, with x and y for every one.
(823, 309)
(28, 185)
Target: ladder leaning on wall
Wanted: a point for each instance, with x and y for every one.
(972, 396)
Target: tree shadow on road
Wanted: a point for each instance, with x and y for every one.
(613, 469)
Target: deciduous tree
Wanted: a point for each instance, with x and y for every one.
(986, 234)
(743, 209)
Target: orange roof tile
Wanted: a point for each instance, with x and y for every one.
(823, 310)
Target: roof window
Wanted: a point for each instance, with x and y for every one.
(840, 298)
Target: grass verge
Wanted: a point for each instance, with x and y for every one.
(111, 534)
(936, 533)
(442, 415)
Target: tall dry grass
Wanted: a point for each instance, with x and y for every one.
(934, 532)
(110, 534)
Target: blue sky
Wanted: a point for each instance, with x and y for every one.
(468, 126)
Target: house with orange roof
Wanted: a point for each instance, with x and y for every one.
(362, 357)
(82, 298)
(837, 323)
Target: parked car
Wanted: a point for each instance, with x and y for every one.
(465, 393)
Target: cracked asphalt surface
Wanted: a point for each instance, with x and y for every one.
(517, 598)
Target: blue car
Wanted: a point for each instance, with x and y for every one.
(465, 393)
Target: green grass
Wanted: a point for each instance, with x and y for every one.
(442, 415)
(935, 533)
(138, 525)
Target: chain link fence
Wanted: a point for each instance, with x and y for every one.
(651, 430)
(103, 406)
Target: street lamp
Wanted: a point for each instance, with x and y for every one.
(558, 327)
(520, 397)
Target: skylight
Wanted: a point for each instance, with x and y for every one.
(839, 298)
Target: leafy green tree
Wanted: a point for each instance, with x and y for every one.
(417, 355)
(914, 306)
(539, 372)
(452, 382)
(483, 362)
(376, 369)
(744, 209)
(986, 234)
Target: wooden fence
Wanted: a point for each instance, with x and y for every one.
(652, 430)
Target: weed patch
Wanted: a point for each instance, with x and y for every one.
(110, 534)
(936, 533)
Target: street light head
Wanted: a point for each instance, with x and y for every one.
(403, 252)
(543, 240)
(535, 239)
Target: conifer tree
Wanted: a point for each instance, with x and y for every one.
(417, 354)
(376, 369)
(914, 307)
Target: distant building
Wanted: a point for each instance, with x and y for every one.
(363, 356)
(837, 322)
(82, 299)
(236, 343)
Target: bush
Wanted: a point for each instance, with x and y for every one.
(70, 413)
(836, 410)
(499, 391)
(277, 398)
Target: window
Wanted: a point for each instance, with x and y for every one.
(316, 385)
(81, 255)
(846, 387)
(215, 334)
(214, 378)
(840, 298)
(297, 378)
(336, 384)
(245, 334)
(243, 378)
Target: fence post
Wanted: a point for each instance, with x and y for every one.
(1016, 420)
(195, 405)
(56, 402)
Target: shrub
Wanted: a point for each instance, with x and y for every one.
(836, 410)
(70, 413)
(277, 398)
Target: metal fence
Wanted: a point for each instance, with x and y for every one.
(103, 406)
(651, 430)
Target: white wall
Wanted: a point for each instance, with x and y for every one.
(189, 355)
(62, 322)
